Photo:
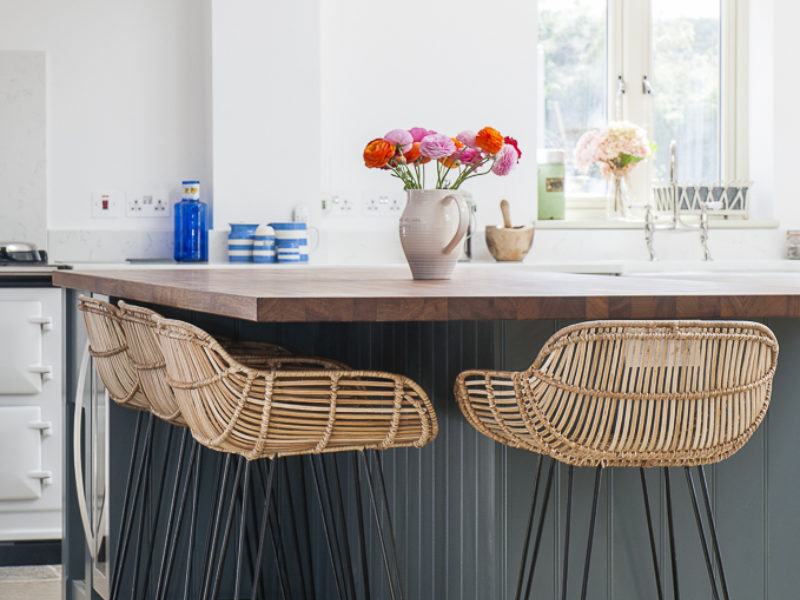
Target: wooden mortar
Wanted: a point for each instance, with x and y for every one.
(509, 243)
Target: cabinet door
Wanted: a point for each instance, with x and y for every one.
(21, 449)
(21, 342)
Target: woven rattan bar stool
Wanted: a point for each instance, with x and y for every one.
(629, 394)
(299, 406)
(131, 366)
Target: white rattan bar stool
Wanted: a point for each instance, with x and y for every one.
(299, 406)
(629, 394)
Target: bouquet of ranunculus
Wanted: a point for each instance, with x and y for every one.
(616, 149)
(405, 153)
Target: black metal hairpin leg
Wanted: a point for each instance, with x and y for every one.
(128, 484)
(570, 473)
(343, 533)
(242, 523)
(654, 553)
(170, 554)
(280, 557)
(713, 527)
(190, 549)
(585, 585)
(251, 540)
(325, 527)
(143, 502)
(362, 544)
(264, 523)
(296, 535)
(701, 532)
(226, 532)
(212, 542)
(540, 528)
(671, 528)
(527, 539)
(160, 499)
(392, 544)
(379, 528)
(337, 529)
(171, 514)
(128, 512)
(306, 527)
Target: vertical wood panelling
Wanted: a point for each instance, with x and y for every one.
(460, 505)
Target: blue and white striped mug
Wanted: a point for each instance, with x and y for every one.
(292, 238)
(264, 244)
(240, 242)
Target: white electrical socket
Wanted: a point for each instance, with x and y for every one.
(147, 204)
(383, 204)
(337, 206)
(107, 204)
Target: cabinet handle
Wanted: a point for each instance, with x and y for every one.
(45, 427)
(46, 371)
(45, 322)
(45, 476)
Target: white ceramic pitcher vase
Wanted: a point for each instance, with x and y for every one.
(431, 227)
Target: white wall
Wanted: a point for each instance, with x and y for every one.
(266, 109)
(128, 98)
(442, 65)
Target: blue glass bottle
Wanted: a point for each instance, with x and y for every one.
(191, 230)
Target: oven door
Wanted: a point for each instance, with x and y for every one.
(31, 392)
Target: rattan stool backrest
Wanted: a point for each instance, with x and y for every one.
(147, 361)
(144, 353)
(631, 393)
(277, 411)
(108, 347)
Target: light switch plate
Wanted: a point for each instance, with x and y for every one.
(107, 204)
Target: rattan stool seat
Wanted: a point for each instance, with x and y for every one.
(631, 393)
(278, 410)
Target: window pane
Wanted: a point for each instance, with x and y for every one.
(686, 80)
(572, 49)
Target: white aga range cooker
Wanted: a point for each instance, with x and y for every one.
(31, 395)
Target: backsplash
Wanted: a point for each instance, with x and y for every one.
(23, 173)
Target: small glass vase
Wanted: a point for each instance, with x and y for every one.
(618, 201)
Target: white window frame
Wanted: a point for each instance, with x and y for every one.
(629, 56)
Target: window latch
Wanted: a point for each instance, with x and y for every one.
(647, 89)
(620, 86)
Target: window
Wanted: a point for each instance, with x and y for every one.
(669, 66)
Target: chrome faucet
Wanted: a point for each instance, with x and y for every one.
(677, 224)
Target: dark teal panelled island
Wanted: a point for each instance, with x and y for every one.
(460, 504)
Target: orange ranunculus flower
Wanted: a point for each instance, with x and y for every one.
(413, 153)
(489, 140)
(378, 153)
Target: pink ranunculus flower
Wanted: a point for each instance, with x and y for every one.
(436, 145)
(470, 156)
(400, 137)
(467, 138)
(417, 133)
(505, 160)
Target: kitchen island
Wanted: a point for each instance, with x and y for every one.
(460, 504)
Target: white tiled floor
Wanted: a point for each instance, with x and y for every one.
(30, 583)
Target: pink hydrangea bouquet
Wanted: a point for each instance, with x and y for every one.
(405, 154)
(617, 149)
